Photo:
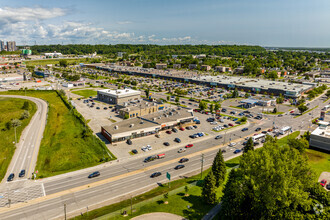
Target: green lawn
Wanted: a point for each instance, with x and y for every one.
(11, 108)
(283, 141)
(85, 93)
(319, 161)
(152, 201)
(63, 147)
(271, 113)
(53, 61)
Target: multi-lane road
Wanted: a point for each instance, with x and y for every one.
(126, 178)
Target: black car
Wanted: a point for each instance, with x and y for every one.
(177, 140)
(148, 159)
(195, 126)
(156, 174)
(218, 136)
(95, 174)
(258, 129)
(223, 151)
(134, 151)
(97, 107)
(224, 110)
(129, 142)
(182, 160)
(10, 177)
(166, 144)
(174, 130)
(105, 108)
(210, 119)
(22, 173)
(245, 129)
(178, 167)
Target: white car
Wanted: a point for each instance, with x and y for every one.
(144, 149)
(181, 150)
(149, 147)
(232, 144)
(214, 123)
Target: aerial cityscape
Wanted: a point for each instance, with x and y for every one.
(164, 110)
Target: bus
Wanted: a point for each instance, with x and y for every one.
(325, 108)
(285, 129)
(258, 137)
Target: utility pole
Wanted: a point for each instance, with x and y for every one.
(64, 211)
(202, 164)
(131, 205)
(15, 135)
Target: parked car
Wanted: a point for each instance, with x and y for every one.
(21, 174)
(323, 182)
(10, 177)
(230, 124)
(189, 146)
(183, 160)
(182, 128)
(129, 142)
(148, 159)
(195, 126)
(174, 130)
(179, 167)
(245, 129)
(166, 144)
(223, 151)
(258, 129)
(156, 174)
(95, 174)
(177, 140)
(181, 150)
(168, 132)
(134, 151)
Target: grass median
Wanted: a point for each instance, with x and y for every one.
(11, 108)
(66, 146)
(85, 93)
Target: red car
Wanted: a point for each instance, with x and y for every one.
(182, 129)
(230, 124)
(323, 182)
(189, 145)
(292, 111)
(169, 132)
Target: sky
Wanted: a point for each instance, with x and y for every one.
(277, 23)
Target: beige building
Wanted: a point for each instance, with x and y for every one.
(176, 65)
(119, 96)
(161, 66)
(205, 67)
(140, 109)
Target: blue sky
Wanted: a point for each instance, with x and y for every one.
(288, 23)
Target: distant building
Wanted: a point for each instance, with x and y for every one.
(161, 66)
(43, 74)
(11, 46)
(120, 54)
(192, 66)
(176, 65)
(205, 67)
(53, 55)
(320, 137)
(220, 69)
(2, 45)
(239, 70)
(119, 96)
(140, 108)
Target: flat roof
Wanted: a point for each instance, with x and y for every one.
(119, 93)
(323, 130)
(139, 104)
(150, 122)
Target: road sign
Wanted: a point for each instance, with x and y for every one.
(168, 176)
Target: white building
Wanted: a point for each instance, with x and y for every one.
(119, 96)
(320, 137)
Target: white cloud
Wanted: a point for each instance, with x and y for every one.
(26, 25)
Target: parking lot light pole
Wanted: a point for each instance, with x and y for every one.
(202, 164)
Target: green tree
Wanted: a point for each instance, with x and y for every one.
(219, 168)
(15, 123)
(217, 106)
(280, 99)
(209, 190)
(300, 144)
(328, 93)
(63, 63)
(26, 105)
(249, 146)
(275, 110)
(302, 108)
(284, 195)
(168, 98)
(186, 189)
(147, 92)
(234, 93)
(243, 119)
(202, 105)
(211, 107)
(177, 99)
(25, 115)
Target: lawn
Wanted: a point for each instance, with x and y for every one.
(11, 108)
(152, 201)
(319, 161)
(272, 113)
(85, 93)
(53, 61)
(64, 147)
(283, 141)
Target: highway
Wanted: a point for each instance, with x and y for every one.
(27, 148)
(120, 180)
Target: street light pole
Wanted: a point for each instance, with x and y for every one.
(202, 164)
(15, 135)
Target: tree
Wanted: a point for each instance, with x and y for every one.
(302, 108)
(25, 115)
(234, 93)
(219, 168)
(217, 106)
(247, 95)
(26, 105)
(147, 91)
(243, 119)
(15, 123)
(211, 107)
(249, 146)
(63, 63)
(186, 189)
(328, 93)
(168, 98)
(165, 198)
(202, 105)
(300, 144)
(284, 195)
(177, 99)
(275, 110)
(208, 191)
(280, 99)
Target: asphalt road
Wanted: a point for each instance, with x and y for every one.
(133, 176)
(27, 148)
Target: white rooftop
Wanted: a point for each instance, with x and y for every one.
(119, 93)
(323, 129)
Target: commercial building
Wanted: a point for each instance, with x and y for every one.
(140, 108)
(11, 46)
(205, 67)
(43, 74)
(53, 55)
(192, 66)
(119, 96)
(147, 125)
(161, 66)
(2, 45)
(176, 66)
(320, 137)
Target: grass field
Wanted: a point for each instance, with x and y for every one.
(53, 61)
(63, 147)
(11, 108)
(85, 93)
(152, 201)
(319, 161)
(283, 141)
